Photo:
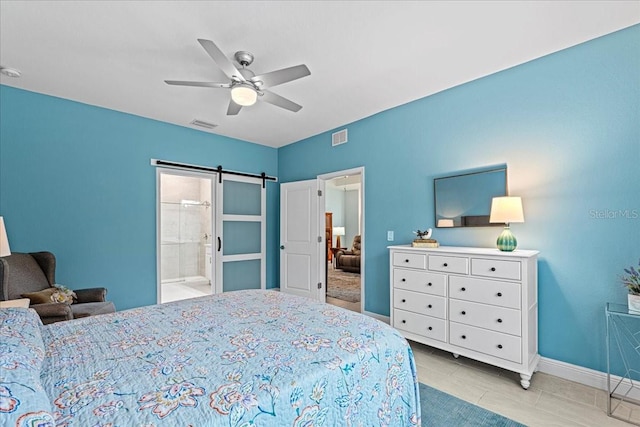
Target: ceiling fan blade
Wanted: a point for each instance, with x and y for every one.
(198, 84)
(279, 101)
(233, 109)
(220, 59)
(275, 78)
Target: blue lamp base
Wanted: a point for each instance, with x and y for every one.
(506, 241)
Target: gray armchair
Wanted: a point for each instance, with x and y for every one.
(22, 273)
(349, 260)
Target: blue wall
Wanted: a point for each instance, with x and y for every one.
(568, 127)
(76, 180)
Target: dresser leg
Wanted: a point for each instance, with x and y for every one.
(524, 381)
(455, 355)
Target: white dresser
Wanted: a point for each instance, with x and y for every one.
(477, 302)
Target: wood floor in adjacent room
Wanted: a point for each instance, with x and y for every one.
(550, 401)
(353, 306)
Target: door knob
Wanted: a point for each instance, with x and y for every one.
(281, 246)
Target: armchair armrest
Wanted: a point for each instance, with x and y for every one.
(91, 295)
(343, 252)
(53, 312)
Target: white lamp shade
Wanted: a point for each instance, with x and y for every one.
(243, 94)
(4, 242)
(445, 222)
(506, 210)
(338, 231)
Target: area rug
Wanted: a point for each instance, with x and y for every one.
(343, 285)
(440, 409)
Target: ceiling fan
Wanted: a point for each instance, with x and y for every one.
(246, 87)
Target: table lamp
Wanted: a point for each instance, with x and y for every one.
(338, 231)
(4, 242)
(507, 210)
(445, 223)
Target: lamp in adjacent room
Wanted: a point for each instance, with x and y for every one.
(338, 231)
(244, 94)
(4, 242)
(506, 210)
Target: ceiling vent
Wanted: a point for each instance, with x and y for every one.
(203, 124)
(339, 137)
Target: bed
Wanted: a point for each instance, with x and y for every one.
(245, 358)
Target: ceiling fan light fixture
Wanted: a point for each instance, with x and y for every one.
(244, 94)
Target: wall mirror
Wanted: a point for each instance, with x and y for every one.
(464, 199)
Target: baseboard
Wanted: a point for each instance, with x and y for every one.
(385, 319)
(586, 376)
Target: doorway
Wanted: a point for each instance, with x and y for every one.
(343, 206)
(185, 228)
(211, 231)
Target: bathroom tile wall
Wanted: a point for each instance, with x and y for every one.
(183, 227)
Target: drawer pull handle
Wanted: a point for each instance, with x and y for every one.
(404, 321)
(404, 300)
(403, 280)
(499, 320)
(499, 294)
(493, 269)
(499, 345)
(463, 289)
(429, 284)
(463, 313)
(430, 328)
(406, 260)
(445, 264)
(464, 337)
(429, 306)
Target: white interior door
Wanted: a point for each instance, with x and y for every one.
(241, 234)
(300, 240)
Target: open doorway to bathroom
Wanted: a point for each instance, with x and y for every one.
(185, 228)
(343, 229)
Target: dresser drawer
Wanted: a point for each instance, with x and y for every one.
(430, 305)
(449, 264)
(503, 294)
(419, 324)
(496, 344)
(419, 281)
(499, 319)
(498, 269)
(410, 260)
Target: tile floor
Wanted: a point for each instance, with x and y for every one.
(550, 401)
(174, 291)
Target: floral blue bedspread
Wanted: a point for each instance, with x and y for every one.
(245, 358)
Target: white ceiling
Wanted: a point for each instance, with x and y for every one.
(364, 57)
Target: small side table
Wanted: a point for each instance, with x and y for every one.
(333, 252)
(623, 331)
